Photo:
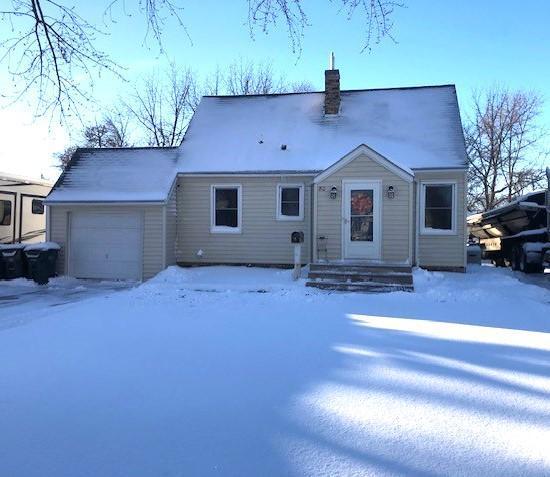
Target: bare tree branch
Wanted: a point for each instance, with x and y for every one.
(501, 140)
(51, 54)
(163, 106)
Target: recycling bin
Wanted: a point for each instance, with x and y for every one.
(12, 261)
(41, 259)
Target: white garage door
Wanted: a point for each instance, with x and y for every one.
(106, 245)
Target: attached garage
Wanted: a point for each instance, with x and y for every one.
(114, 214)
(105, 244)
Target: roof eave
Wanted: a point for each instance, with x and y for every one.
(105, 202)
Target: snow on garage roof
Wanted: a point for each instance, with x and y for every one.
(117, 175)
(416, 128)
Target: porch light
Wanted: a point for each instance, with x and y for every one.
(333, 192)
(390, 192)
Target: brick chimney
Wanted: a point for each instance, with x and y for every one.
(332, 88)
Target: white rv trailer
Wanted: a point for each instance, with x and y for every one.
(22, 214)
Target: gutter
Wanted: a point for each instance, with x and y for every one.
(104, 202)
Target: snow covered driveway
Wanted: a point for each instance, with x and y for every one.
(21, 298)
(240, 372)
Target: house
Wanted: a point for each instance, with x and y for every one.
(372, 176)
(22, 216)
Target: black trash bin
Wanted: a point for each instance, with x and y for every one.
(41, 258)
(12, 261)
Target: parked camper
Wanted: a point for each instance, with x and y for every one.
(517, 234)
(22, 214)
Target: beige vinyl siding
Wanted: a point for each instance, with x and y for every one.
(395, 214)
(171, 224)
(263, 239)
(444, 251)
(153, 247)
(58, 233)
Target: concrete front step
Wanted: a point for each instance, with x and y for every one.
(365, 287)
(361, 277)
(354, 268)
(377, 277)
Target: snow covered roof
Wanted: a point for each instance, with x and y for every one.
(416, 128)
(8, 177)
(117, 175)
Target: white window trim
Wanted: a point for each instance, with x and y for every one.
(429, 231)
(217, 229)
(294, 218)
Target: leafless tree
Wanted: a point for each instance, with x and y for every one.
(213, 85)
(501, 139)
(49, 48)
(163, 107)
(300, 87)
(244, 78)
(111, 132)
(377, 18)
(65, 156)
(51, 54)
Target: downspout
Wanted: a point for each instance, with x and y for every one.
(411, 260)
(48, 233)
(164, 211)
(417, 228)
(314, 224)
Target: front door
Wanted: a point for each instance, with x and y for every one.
(361, 220)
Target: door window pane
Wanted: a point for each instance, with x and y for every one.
(438, 206)
(361, 215)
(361, 202)
(5, 212)
(361, 229)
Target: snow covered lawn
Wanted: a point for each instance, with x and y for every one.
(241, 372)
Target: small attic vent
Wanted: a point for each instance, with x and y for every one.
(283, 147)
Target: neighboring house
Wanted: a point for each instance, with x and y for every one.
(22, 217)
(369, 176)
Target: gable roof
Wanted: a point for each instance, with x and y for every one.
(117, 175)
(404, 173)
(415, 128)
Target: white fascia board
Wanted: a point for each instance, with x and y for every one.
(249, 174)
(105, 203)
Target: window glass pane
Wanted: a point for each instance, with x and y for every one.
(290, 201)
(438, 219)
(290, 208)
(226, 218)
(439, 196)
(361, 202)
(37, 206)
(290, 194)
(5, 212)
(226, 213)
(226, 198)
(361, 229)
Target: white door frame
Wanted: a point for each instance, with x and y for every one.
(375, 252)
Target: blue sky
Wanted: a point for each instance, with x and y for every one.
(472, 44)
